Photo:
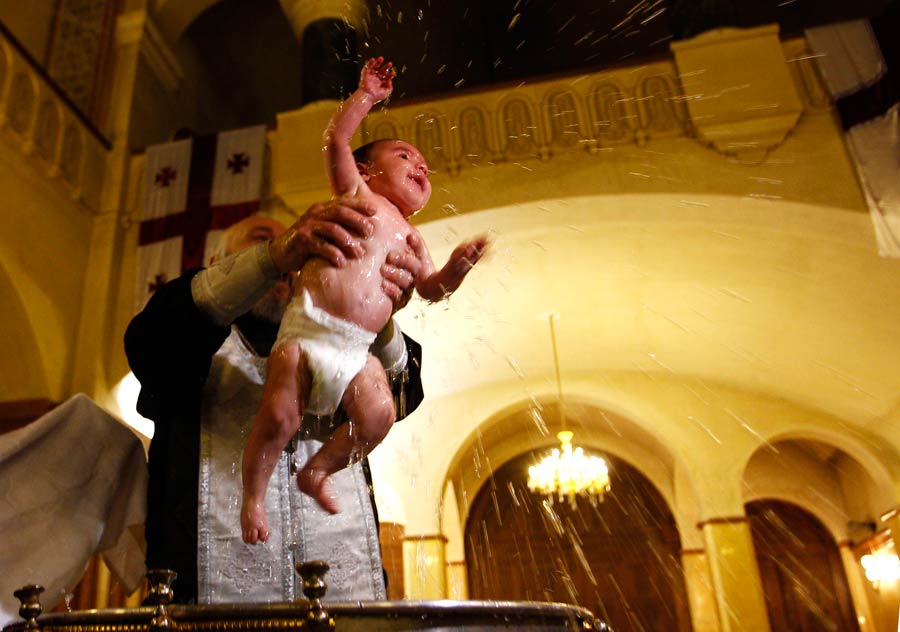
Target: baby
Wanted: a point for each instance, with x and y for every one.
(321, 359)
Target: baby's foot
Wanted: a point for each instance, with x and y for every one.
(314, 483)
(254, 525)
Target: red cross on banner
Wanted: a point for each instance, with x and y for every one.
(194, 189)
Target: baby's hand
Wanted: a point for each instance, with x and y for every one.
(377, 78)
(468, 253)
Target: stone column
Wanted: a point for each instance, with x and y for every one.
(701, 594)
(856, 579)
(892, 519)
(457, 580)
(425, 567)
(98, 300)
(735, 575)
(327, 32)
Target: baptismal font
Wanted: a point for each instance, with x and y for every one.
(309, 613)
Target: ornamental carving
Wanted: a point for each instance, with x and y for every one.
(21, 103)
(518, 127)
(46, 132)
(613, 114)
(475, 146)
(660, 112)
(71, 155)
(432, 138)
(386, 128)
(598, 111)
(563, 126)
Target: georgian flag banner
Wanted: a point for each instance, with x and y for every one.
(193, 190)
(860, 62)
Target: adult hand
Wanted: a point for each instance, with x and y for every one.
(332, 231)
(400, 269)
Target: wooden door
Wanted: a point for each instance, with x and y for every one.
(800, 566)
(619, 558)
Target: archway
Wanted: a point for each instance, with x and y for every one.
(800, 566)
(619, 558)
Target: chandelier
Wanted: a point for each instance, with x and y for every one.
(567, 472)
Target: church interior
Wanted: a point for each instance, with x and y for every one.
(684, 275)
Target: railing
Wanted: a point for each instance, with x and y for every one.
(49, 131)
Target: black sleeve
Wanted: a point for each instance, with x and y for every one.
(170, 345)
(408, 389)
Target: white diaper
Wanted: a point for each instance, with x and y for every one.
(335, 350)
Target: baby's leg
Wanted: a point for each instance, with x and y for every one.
(278, 419)
(369, 404)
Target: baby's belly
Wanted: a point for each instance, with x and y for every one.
(352, 292)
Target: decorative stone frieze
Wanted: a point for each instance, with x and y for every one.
(47, 132)
(537, 121)
(587, 116)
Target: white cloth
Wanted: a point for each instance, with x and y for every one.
(850, 59)
(72, 484)
(335, 350)
(299, 530)
(875, 147)
(848, 55)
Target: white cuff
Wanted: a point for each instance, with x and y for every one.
(392, 353)
(231, 286)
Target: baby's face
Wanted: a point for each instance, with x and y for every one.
(398, 172)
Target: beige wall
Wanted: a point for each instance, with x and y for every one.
(31, 23)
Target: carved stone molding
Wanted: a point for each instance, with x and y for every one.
(48, 133)
(563, 118)
(539, 121)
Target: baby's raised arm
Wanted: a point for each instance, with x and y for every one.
(375, 84)
(434, 285)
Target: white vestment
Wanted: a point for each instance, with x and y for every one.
(299, 530)
(72, 484)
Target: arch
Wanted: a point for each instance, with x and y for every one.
(174, 16)
(21, 102)
(46, 134)
(613, 114)
(834, 478)
(518, 129)
(562, 119)
(620, 558)
(385, 128)
(660, 112)
(432, 137)
(72, 154)
(476, 145)
(531, 425)
(21, 363)
(4, 65)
